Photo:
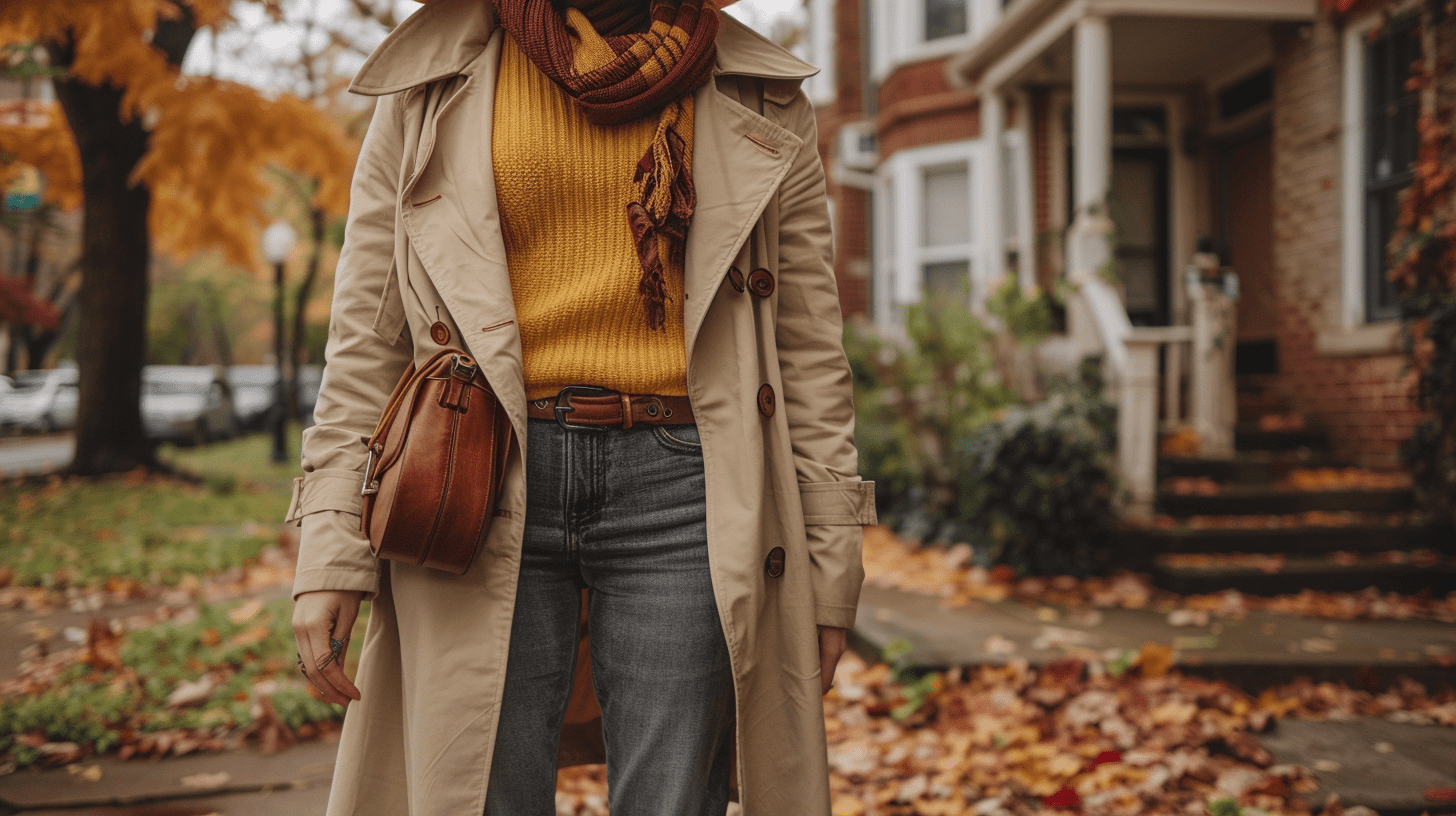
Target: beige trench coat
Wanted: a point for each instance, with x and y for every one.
(424, 245)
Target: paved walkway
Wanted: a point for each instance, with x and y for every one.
(20, 455)
(1383, 765)
(1261, 650)
(240, 783)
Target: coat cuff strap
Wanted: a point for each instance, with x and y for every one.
(838, 503)
(322, 490)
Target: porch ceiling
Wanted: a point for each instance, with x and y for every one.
(1153, 51)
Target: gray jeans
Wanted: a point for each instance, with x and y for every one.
(622, 514)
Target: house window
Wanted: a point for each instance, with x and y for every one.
(946, 18)
(1391, 111)
(929, 236)
(903, 32)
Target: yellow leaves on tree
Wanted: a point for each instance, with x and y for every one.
(211, 140)
(205, 167)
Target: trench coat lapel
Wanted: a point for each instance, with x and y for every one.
(739, 160)
(450, 213)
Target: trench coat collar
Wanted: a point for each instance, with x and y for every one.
(443, 38)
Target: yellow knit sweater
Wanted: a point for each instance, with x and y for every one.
(563, 185)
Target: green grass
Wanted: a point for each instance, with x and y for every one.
(81, 532)
(102, 709)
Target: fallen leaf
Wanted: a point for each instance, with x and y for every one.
(1155, 660)
(246, 612)
(103, 646)
(192, 692)
(250, 637)
(205, 781)
(1064, 799)
(87, 773)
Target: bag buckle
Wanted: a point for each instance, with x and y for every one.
(463, 367)
(371, 484)
(564, 406)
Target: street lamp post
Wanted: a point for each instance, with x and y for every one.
(278, 242)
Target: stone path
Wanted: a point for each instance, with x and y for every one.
(1261, 650)
(1386, 766)
(238, 783)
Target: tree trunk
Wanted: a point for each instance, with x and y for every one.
(318, 225)
(115, 259)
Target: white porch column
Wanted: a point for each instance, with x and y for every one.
(993, 256)
(1088, 246)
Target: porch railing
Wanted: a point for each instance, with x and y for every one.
(1145, 364)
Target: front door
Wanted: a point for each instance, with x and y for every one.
(1248, 235)
(1138, 204)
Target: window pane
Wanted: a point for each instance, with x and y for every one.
(946, 208)
(1381, 300)
(948, 279)
(1391, 114)
(945, 18)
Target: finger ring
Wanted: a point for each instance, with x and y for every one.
(324, 664)
(336, 646)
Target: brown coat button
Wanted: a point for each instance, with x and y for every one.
(766, 400)
(735, 279)
(440, 334)
(761, 282)
(774, 564)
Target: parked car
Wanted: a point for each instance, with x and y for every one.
(187, 403)
(40, 401)
(253, 394)
(310, 379)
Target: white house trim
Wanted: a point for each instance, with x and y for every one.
(899, 222)
(1352, 245)
(822, 87)
(899, 38)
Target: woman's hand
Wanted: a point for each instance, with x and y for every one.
(322, 622)
(831, 648)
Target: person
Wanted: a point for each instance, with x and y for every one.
(617, 207)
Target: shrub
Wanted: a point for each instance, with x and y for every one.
(955, 459)
(1035, 487)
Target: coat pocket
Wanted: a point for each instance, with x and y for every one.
(389, 319)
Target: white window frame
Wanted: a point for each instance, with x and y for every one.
(898, 31)
(1352, 249)
(819, 51)
(899, 257)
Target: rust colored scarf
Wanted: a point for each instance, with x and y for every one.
(598, 53)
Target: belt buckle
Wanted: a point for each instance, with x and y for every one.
(564, 406)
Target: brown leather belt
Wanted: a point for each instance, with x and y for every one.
(588, 408)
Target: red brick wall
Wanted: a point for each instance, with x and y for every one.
(918, 107)
(1364, 402)
(851, 217)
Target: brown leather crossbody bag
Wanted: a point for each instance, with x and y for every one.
(435, 465)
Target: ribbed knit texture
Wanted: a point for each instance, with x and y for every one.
(561, 182)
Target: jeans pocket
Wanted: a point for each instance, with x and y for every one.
(678, 438)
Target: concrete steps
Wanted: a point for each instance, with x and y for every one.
(1285, 515)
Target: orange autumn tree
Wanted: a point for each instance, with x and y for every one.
(157, 159)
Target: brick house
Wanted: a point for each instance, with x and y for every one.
(972, 140)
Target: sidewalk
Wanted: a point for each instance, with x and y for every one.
(239, 783)
(1261, 650)
(1382, 764)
